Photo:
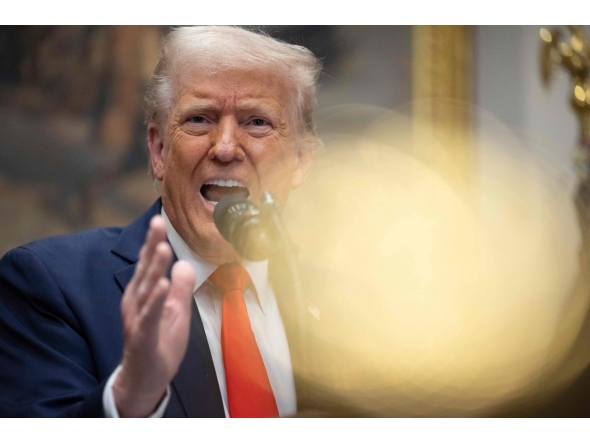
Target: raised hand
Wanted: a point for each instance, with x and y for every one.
(156, 320)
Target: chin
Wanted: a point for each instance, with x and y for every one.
(212, 247)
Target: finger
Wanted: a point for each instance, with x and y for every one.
(156, 269)
(157, 230)
(178, 292)
(151, 311)
(183, 282)
(156, 234)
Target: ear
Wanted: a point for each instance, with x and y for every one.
(304, 158)
(156, 146)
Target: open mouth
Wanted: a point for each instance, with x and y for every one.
(215, 190)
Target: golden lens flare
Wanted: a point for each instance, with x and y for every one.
(437, 299)
(579, 93)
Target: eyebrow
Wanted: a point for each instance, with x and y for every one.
(200, 105)
(260, 106)
(255, 105)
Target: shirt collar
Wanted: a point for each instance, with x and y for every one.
(258, 271)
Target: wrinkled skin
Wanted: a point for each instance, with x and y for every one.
(233, 125)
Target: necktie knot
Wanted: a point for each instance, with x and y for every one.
(230, 277)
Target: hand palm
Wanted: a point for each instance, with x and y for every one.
(156, 320)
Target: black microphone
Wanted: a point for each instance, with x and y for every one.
(240, 222)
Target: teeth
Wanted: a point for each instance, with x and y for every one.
(226, 183)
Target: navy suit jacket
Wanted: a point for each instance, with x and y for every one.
(61, 333)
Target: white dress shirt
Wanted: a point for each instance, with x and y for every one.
(265, 320)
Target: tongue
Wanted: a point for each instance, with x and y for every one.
(214, 193)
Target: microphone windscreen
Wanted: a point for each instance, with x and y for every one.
(223, 211)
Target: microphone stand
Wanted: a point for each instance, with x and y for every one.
(268, 211)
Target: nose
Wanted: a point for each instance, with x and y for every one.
(225, 142)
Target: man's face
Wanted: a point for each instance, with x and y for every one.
(227, 133)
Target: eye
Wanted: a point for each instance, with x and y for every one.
(258, 126)
(197, 119)
(259, 122)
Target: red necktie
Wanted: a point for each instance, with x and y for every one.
(248, 389)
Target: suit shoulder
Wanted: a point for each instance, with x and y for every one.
(71, 245)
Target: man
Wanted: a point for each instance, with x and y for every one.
(91, 324)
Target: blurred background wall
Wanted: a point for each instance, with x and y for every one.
(508, 85)
(72, 144)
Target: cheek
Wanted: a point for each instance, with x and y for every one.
(184, 155)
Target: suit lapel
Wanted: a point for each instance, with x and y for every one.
(124, 275)
(195, 385)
